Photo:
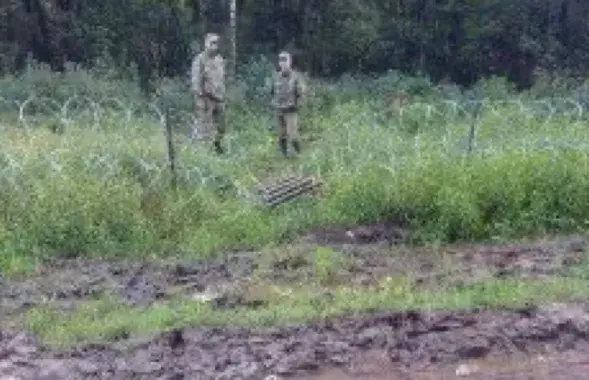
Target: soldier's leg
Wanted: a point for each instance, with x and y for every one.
(218, 116)
(205, 119)
(210, 114)
(292, 130)
(199, 117)
(282, 133)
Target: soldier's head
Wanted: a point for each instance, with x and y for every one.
(285, 61)
(212, 43)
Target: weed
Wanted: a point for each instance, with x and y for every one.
(326, 264)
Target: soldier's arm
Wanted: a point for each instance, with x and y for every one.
(300, 88)
(270, 85)
(196, 75)
(224, 67)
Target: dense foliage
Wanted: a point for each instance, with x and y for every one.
(459, 40)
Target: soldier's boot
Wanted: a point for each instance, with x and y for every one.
(218, 147)
(283, 142)
(296, 144)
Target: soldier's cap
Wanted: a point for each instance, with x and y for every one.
(210, 37)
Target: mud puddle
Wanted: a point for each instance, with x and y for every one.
(388, 345)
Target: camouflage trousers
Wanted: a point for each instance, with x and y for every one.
(210, 116)
(288, 125)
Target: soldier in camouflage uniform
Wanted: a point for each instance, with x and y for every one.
(287, 91)
(208, 84)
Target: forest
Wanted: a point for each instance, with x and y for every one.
(458, 41)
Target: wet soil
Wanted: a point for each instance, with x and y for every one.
(66, 282)
(401, 345)
(553, 339)
(564, 366)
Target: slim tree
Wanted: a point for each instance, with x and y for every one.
(233, 37)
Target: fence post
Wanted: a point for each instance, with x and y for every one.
(471, 130)
(171, 151)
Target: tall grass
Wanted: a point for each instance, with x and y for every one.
(104, 190)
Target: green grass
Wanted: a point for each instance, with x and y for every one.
(522, 179)
(527, 175)
(106, 319)
(319, 296)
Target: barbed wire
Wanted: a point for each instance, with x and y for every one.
(35, 111)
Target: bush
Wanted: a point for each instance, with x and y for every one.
(509, 195)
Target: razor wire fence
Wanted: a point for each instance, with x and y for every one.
(35, 111)
(203, 171)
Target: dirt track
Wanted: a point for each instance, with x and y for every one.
(548, 342)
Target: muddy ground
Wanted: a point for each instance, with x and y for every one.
(401, 345)
(548, 341)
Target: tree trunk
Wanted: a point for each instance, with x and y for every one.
(202, 15)
(233, 37)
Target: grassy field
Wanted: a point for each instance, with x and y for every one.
(102, 189)
(105, 191)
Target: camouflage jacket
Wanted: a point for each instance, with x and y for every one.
(286, 91)
(208, 76)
